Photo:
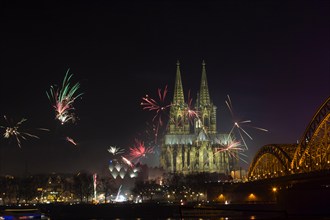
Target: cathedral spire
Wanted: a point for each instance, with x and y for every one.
(178, 98)
(204, 96)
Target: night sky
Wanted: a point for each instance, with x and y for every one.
(270, 57)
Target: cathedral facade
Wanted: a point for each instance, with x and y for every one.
(191, 143)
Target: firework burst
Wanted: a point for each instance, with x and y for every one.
(63, 99)
(159, 107)
(231, 147)
(15, 130)
(139, 151)
(238, 126)
(115, 150)
(191, 113)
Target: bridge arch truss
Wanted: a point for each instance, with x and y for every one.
(311, 154)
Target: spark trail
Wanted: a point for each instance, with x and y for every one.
(70, 140)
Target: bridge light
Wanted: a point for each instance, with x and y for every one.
(252, 197)
(221, 198)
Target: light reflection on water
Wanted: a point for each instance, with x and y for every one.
(218, 218)
(252, 217)
(247, 217)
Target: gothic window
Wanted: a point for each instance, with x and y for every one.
(180, 121)
(206, 121)
(198, 123)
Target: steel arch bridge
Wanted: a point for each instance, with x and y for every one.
(311, 154)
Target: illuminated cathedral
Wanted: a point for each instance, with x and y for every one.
(193, 145)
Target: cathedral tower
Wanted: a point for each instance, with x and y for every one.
(193, 148)
(204, 107)
(178, 123)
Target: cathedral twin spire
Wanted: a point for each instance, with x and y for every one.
(206, 110)
(203, 98)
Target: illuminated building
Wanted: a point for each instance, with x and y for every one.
(193, 145)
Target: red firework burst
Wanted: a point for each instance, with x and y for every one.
(159, 107)
(139, 151)
(191, 112)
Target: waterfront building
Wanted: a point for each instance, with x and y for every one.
(192, 143)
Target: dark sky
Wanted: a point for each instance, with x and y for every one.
(271, 57)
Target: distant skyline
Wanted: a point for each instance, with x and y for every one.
(271, 58)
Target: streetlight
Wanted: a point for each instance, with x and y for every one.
(274, 189)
